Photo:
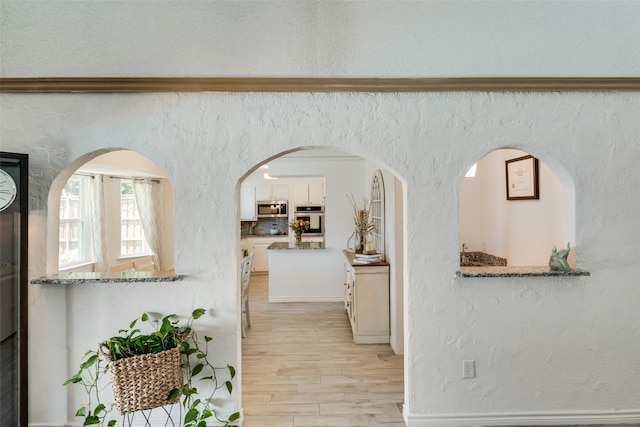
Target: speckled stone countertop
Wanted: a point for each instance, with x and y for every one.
(491, 271)
(293, 246)
(111, 277)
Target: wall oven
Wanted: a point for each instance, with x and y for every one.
(272, 209)
(315, 215)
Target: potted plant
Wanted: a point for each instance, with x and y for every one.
(152, 370)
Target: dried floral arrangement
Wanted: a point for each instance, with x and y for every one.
(362, 220)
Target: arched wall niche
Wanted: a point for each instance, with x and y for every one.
(522, 231)
(111, 164)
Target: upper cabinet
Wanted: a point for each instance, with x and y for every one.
(272, 192)
(308, 191)
(247, 203)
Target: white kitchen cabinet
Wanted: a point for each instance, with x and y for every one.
(260, 256)
(260, 252)
(367, 301)
(247, 203)
(272, 192)
(308, 191)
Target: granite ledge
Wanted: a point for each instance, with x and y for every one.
(296, 246)
(111, 277)
(494, 271)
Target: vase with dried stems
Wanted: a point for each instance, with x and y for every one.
(362, 220)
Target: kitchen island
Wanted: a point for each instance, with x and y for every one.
(299, 273)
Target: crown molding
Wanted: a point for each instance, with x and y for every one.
(287, 84)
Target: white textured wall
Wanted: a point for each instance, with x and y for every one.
(320, 38)
(542, 345)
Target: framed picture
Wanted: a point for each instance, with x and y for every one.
(522, 178)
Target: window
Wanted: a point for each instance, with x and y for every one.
(75, 223)
(132, 239)
(377, 210)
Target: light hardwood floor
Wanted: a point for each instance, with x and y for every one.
(301, 368)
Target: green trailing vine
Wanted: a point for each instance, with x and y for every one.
(166, 335)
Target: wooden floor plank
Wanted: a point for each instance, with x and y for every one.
(300, 368)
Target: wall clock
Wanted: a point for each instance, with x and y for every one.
(8, 190)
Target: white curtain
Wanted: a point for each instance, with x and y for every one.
(148, 193)
(97, 218)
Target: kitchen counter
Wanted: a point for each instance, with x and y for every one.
(294, 246)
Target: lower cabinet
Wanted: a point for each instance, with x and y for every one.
(367, 301)
(260, 257)
(261, 254)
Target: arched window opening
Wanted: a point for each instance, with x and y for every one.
(116, 214)
(498, 229)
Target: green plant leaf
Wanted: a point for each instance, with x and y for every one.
(229, 386)
(91, 420)
(81, 412)
(173, 394)
(190, 416)
(195, 403)
(145, 317)
(190, 351)
(202, 423)
(98, 409)
(74, 379)
(207, 413)
(208, 339)
(207, 378)
(111, 423)
(197, 369)
(201, 356)
(234, 416)
(198, 312)
(132, 324)
(89, 362)
(232, 371)
(166, 325)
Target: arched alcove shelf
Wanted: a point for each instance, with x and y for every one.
(514, 208)
(110, 219)
(517, 272)
(67, 278)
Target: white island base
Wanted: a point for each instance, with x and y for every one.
(309, 272)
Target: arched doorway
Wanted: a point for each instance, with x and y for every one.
(343, 174)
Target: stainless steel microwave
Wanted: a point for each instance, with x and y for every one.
(272, 209)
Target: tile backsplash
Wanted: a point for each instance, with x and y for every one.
(263, 227)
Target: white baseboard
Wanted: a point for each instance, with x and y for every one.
(398, 348)
(307, 299)
(522, 419)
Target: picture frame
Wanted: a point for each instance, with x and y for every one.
(522, 180)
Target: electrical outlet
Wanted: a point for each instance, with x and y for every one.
(468, 369)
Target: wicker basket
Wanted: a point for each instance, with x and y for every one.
(144, 382)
